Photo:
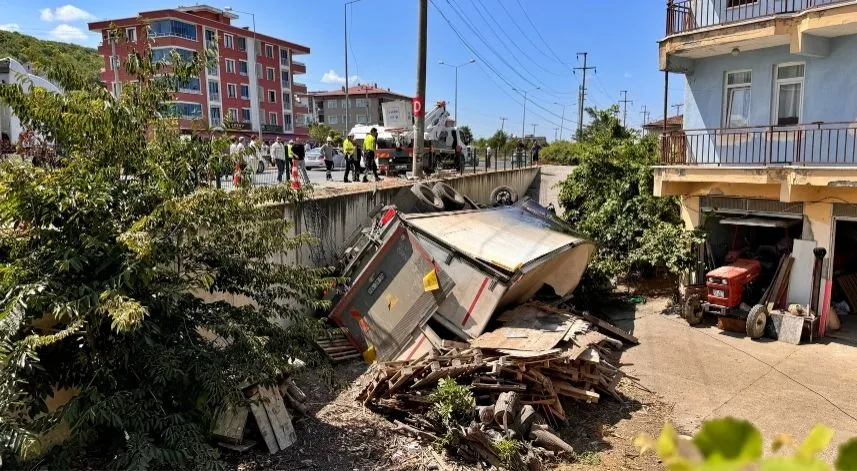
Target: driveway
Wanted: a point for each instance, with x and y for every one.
(706, 372)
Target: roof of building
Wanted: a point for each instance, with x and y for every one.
(672, 121)
(359, 89)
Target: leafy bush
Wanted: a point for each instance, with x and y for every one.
(732, 444)
(610, 197)
(453, 405)
(506, 450)
(114, 271)
(561, 152)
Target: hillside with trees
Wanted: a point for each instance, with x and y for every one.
(44, 54)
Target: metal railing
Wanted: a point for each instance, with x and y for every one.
(689, 15)
(815, 144)
(272, 128)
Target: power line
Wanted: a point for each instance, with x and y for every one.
(536, 29)
(677, 109)
(624, 101)
(582, 101)
(502, 123)
(645, 114)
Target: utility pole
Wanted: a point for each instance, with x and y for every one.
(420, 124)
(502, 123)
(645, 114)
(524, 119)
(555, 132)
(534, 129)
(347, 101)
(581, 103)
(677, 108)
(624, 101)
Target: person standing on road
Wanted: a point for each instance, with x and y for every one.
(348, 149)
(254, 156)
(488, 157)
(278, 154)
(299, 154)
(536, 149)
(327, 153)
(519, 154)
(369, 146)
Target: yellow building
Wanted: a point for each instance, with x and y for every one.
(770, 125)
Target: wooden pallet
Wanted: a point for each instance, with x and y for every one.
(848, 284)
(337, 347)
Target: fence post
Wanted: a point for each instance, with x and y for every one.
(769, 157)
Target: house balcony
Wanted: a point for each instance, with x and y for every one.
(790, 163)
(274, 128)
(698, 29)
(298, 87)
(298, 67)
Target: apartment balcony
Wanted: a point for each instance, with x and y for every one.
(236, 126)
(298, 87)
(298, 67)
(698, 29)
(789, 163)
(275, 128)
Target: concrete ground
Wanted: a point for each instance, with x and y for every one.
(706, 372)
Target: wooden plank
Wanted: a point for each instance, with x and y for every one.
(281, 420)
(800, 279)
(230, 424)
(769, 290)
(238, 447)
(264, 423)
(780, 284)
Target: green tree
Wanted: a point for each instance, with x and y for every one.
(561, 152)
(114, 264)
(319, 132)
(609, 196)
(498, 141)
(466, 134)
(44, 55)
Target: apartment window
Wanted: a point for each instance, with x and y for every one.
(284, 78)
(214, 115)
(740, 3)
(213, 90)
(260, 93)
(330, 104)
(230, 66)
(258, 47)
(242, 44)
(210, 39)
(788, 94)
(272, 118)
(190, 85)
(231, 90)
(245, 92)
(287, 100)
(227, 41)
(131, 35)
(269, 73)
(242, 67)
(117, 89)
(164, 54)
(333, 119)
(362, 103)
(184, 110)
(272, 96)
(362, 119)
(114, 63)
(287, 122)
(233, 115)
(344, 105)
(245, 115)
(212, 70)
(738, 96)
(269, 50)
(172, 28)
(284, 57)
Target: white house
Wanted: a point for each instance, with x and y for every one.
(12, 71)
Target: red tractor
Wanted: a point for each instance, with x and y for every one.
(726, 288)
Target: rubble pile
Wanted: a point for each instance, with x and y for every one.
(517, 390)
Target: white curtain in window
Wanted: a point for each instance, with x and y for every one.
(739, 107)
(789, 103)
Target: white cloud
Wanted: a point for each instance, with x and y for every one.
(10, 27)
(67, 13)
(628, 75)
(332, 77)
(68, 33)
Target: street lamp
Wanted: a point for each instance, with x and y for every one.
(524, 119)
(456, 67)
(255, 74)
(345, 8)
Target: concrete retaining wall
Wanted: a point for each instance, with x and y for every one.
(335, 219)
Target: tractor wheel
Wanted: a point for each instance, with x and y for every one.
(693, 310)
(756, 320)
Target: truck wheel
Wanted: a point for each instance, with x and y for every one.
(692, 311)
(503, 195)
(452, 200)
(428, 200)
(756, 320)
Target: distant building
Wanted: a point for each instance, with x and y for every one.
(251, 88)
(14, 72)
(328, 107)
(674, 123)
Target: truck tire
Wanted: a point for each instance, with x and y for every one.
(692, 310)
(452, 200)
(756, 320)
(504, 196)
(427, 200)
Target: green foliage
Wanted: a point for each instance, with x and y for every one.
(115, 271)
(609, 196)
(453, 405)
(498, 141)
(466, 134)
(732, 444)
(561, 152)
(589, 458)
(320, 132)
(506, 450)
(45, 55)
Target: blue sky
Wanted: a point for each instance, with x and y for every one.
(620, 36)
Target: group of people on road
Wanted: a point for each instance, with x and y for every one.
(361, 160)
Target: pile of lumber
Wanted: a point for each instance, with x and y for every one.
(336, 346)
(775, 295)
(519, 374)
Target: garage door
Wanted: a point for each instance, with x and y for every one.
(750, 206)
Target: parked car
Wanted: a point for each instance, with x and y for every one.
(314, 159)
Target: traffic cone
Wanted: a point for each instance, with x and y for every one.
(296, 179)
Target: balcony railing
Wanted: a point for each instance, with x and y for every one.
(816, 144)
(689, 15)
(272, 128)
(238, 126)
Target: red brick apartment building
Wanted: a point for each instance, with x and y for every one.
(230, 92)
